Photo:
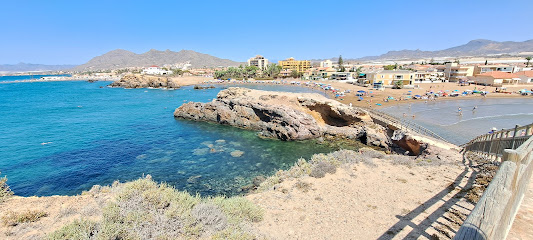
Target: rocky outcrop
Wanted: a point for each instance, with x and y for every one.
(407, 142)
(145, 81)
(286, 116)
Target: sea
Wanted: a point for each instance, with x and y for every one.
(28, 77)
(61, 138)
(458, 121)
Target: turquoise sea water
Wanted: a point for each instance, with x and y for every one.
(64, 137)
(442, 117)
(27, 77)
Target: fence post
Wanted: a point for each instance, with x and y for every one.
(490, 146)
(514, 136)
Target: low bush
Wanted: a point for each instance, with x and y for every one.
(144, 209)
(321, 168)
(5, 191)
(320, 164)
(15, 218)
(79, 229)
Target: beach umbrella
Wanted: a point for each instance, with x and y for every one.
(418, 96)
(361, 91)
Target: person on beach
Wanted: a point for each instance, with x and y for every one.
(474, 109)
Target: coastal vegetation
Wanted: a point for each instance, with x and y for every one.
(5, 191)
(144, 209)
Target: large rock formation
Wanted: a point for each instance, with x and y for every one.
(286, 116)
(144, 81)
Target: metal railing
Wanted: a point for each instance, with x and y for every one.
(493, 144)
(403, 124)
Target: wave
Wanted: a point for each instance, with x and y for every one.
(485, 117)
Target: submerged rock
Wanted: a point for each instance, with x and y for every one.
(236, 153)
(286, 116)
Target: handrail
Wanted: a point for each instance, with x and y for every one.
(496, 210)
(403, 124)
(493, 144)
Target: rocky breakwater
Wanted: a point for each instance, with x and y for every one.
(145, 81)
(287, 116)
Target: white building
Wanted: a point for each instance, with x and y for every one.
(155, 70)
(326, 64)
(258, 61)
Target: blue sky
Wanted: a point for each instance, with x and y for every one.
(72, 32)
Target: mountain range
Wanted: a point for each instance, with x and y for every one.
(474, 48)
(29, 67)
(121, 58)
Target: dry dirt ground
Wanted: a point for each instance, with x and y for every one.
(385, 201)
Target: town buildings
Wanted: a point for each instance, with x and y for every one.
(155, 70)
(258, 61)
(525, 76)
(295, 65)
(495, 78)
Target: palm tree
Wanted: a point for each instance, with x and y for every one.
(528, 59)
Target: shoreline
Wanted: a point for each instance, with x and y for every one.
(351, 98)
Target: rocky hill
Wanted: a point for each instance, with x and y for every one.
(479, 47)
(122, 58)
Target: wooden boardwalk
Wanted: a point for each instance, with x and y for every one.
(522, 228)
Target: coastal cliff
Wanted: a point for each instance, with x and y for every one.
(145, 81)
(287, 116)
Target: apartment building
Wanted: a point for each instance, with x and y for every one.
(291, 64)
(491, 68)
(455, 72)
(258, 61)
(387, 77)
(429, 77)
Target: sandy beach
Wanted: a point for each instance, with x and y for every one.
(374, 97)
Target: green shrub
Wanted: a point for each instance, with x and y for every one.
(77, 230)
(144, 209)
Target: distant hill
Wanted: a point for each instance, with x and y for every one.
(479, 47)
(29, 67)
(121, 58)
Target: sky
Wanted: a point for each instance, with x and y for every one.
(73, 32)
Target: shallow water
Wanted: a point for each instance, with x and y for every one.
(64, 137)
(443, 118)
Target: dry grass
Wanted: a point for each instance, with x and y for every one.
(303, 186)
(15, 218)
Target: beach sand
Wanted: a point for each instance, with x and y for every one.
(379, 96)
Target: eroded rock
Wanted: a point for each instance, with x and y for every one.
(286, 116)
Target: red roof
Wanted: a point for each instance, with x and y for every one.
(154, 66)
(498, 74)
(525, 73)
